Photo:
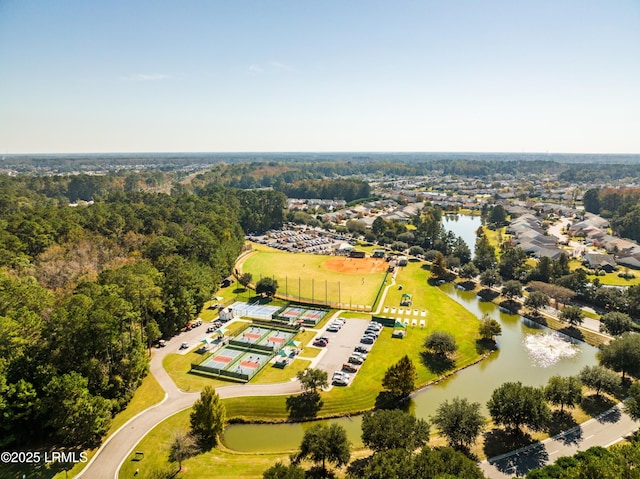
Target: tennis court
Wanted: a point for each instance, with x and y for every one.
(292, 312)
(222, 359)
(253, 310)
(246, 354)
(307, 316)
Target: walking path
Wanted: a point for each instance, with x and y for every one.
(604, 430)
(105, 464)
(107, 461)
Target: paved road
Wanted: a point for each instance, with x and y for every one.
(604, 430)
(119, 446)
(112, 454)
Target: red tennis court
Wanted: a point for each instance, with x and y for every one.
(276, 339)
(253, 336)
(249, 364)
(222, 359)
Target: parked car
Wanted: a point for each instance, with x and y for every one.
(367, 340)
(333, 328)
(355, 360)
(360, 355)
(361, 349)
(340, 381)
(320, 343)
(184, 346)
(350, 368)
(162, 343)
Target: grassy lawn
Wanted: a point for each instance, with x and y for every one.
(215, 463)
(272, 374)
(443, 314)
(304, 275)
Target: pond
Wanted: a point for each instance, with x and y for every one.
(464, 226)
(527, 352)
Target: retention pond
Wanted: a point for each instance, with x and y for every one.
(527, 352)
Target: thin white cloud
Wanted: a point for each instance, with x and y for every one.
(255, 69)
(147, 77)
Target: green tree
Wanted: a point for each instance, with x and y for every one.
(245, 279)
(324, 444)
(512, 289)
(393, 429)
(441, 343)
(437, 463)
(623, 355)
(400, 378)
(76, 415)
(438, 267)
(512, 263)
(632, 403)
(459, 421)
(379, 226)
(485, 254)
(267, 287)
(600, 379)
(498, 216)
(490, 278)
(563, 391)
(312, 379)
(469, 271)
(208, 416)
(514, 405)
(536, 301)
(572, 315)
(489, 328)
(280, 471)
(615, 323)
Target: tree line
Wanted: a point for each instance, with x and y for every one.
(85, 291)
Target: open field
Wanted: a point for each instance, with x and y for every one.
(318, 278)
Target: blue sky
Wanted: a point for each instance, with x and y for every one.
(348, 75)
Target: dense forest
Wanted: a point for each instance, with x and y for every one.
(620, 205)
(85, 289)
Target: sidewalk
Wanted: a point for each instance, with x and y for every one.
(606, 429)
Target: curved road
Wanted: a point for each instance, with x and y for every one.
(106, 463)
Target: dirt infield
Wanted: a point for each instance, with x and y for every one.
(343, 264)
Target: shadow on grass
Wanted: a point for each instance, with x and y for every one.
(437, 363)
(563, 421)
(501, 441)
(357, 466)
(386, 400)
(304, 406)
(485, 345)
(595, 404)
(260, 300)
(573, 332)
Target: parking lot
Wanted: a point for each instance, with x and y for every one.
(341, 345)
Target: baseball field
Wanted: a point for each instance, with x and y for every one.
(332, 280)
